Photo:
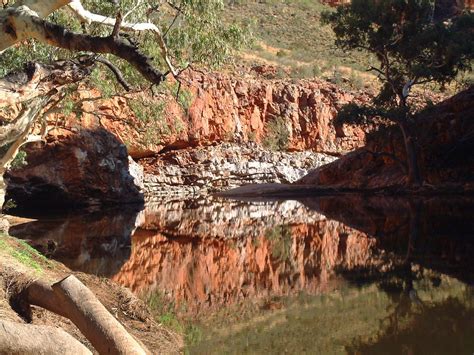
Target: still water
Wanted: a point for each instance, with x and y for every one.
(345, 274)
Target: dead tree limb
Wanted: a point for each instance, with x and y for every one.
(28, 339)
(118, 74)
(22, 23)
(71, 299)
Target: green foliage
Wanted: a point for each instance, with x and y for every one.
(408, 43)
(104, 81)
(278, 135)
(152, 119)
(147, 110)
(9, 204)
(194, 34)
(184, 97)
(202, 36)
(14, 58)
(412, 49)
(20, 160)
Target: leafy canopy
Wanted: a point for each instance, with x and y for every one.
(192, 29)
(411, 47)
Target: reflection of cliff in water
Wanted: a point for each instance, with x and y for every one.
(97, 243)
(436, 233)
(204, 254)
(216, 254)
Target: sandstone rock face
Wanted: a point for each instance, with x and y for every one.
(226, 108)
(445, 153)
(85, 168)
(223, 105)
(197, 171)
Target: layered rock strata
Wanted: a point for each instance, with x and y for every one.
(195, 172)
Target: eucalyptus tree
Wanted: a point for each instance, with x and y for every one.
(135, 39)
(412, 49)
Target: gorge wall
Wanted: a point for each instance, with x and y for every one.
(445, 142)
(222, 107)
(178, 142)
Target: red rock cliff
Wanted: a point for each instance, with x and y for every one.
(227, 108)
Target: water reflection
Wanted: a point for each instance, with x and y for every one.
(97, 242)
(326, 274)
(216, 255)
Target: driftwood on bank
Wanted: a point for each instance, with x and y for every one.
(28, 339)
(70, 298)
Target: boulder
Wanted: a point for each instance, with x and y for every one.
(74, 169)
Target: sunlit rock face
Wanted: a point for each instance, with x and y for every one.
(188, 172)
(223, 104)
(225, 107)
(210, 257)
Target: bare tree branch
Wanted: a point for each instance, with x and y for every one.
(24, 25)
(40, 79)
(90, 17)
(118, 74)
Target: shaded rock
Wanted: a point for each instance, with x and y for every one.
(446, 152)
(86, 168)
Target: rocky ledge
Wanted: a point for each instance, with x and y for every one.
(199, 171)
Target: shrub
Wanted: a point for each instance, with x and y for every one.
(278, 135)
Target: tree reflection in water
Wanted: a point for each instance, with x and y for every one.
(414, 326)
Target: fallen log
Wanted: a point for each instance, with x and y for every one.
(70, 298)
(26, 339)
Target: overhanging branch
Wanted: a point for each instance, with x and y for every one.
(58, 36)
(89, 17)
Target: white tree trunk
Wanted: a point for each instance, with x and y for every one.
(28, 339)
(19, 137)
(25, 20)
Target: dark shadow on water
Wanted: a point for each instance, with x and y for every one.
(444, 328)
(421, 234)
(92, 242)
(437, 233)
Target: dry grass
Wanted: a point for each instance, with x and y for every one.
(288, 34)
